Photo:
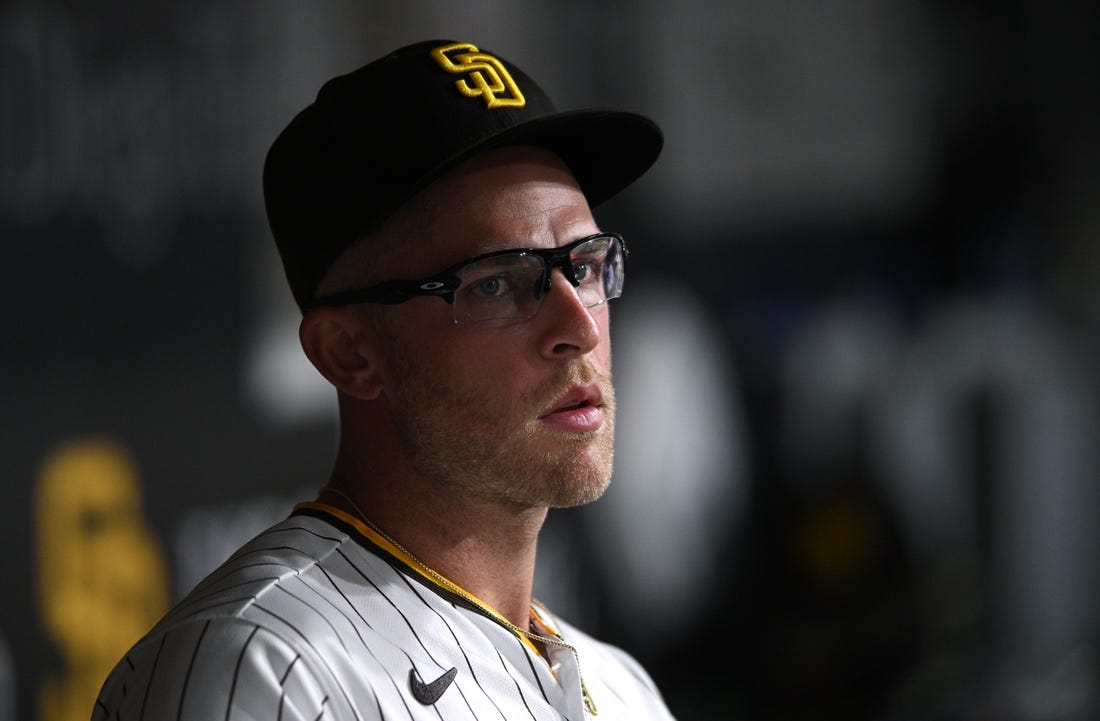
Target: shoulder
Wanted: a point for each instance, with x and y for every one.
(214, 667)
(272, 559)
(254, 634)
(301, 579)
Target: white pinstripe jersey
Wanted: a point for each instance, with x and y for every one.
(320, 618)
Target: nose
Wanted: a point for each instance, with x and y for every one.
(567, 326)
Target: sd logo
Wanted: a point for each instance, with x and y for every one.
(486, 75)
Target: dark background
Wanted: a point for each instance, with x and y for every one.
(858, 425)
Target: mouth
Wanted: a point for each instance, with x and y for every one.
(579, 409)
(575, 398)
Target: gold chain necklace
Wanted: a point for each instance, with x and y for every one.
(445, 582)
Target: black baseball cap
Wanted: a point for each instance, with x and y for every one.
(375, 137)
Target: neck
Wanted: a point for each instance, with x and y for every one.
(487, 551)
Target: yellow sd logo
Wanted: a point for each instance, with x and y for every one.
(487, 76)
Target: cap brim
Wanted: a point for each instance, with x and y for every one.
(606, 150)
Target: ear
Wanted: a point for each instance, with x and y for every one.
(339, 343)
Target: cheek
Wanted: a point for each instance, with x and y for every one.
(601, 358)
(494, 362)
(465, 361)
(601, 354)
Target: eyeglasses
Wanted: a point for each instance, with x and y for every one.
(508, 284)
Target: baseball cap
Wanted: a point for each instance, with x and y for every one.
(373, 138)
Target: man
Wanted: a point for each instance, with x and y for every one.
(433, 214)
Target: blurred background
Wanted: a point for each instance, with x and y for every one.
(858, 428)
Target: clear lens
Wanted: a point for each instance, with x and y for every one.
(598, 267)
(511, 285)
(499, 287)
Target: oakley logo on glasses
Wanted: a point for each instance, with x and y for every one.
(487, 76)
(509, 284)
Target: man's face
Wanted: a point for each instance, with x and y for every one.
(518, 411)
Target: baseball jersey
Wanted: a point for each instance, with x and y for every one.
(321, 618)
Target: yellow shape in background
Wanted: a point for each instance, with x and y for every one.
(102, 576)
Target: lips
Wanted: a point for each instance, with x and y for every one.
(576, 397)
(579, 409)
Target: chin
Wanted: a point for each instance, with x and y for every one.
(579, 482)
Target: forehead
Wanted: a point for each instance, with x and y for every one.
(505, 198)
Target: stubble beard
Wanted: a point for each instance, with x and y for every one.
(464, 442)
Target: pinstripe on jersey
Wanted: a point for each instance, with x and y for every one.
(320, 618)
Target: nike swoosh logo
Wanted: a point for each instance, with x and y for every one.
(429, 693)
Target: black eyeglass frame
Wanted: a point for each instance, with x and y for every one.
(446, 283)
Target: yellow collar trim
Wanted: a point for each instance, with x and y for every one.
(540, 618)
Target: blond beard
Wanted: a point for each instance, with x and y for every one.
(450, 438)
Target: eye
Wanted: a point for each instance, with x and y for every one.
(490, 287)
(588, 270)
